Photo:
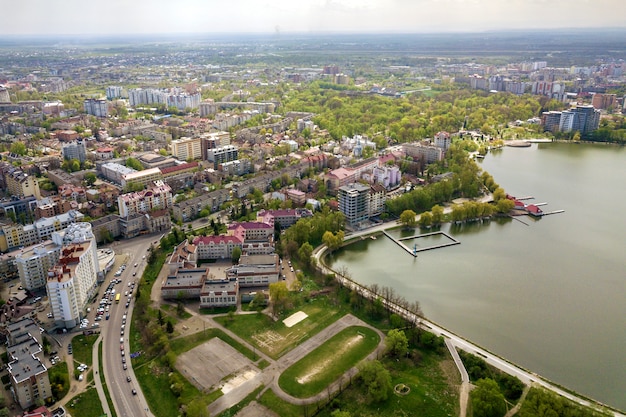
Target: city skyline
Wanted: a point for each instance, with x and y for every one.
(117, 17)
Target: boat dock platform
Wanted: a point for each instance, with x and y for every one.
(415, 249)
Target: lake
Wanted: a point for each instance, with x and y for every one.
(548, 294)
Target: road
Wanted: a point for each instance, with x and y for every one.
(134, 251)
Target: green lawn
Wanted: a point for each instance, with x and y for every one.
(282, 408)
(274, 338)
(432, 393)
(86, 404)
(320, 368)
(82, 348)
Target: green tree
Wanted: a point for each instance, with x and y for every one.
(305, 252)
(426, 219)
(236, 254)
(18, 148)
(90, 179)
(134, 164)
(487, 400)
(437, 213)
(169, 327)
(376, 379)
(279, 296)
(396, 343)
(407, 218)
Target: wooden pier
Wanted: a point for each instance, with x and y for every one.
(415, 250)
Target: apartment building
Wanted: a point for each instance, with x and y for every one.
(21, 184)
(75, 150)
(28, 375)
(186, 148)
(353, 203)
(222, 154)
(34, 262)
(96, 107)
(157, 196)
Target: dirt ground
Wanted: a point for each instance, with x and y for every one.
(206, 365)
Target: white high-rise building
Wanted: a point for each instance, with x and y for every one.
(73, 280)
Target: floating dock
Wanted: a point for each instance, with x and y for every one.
(415, 249)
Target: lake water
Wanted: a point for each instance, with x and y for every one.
(547, 294)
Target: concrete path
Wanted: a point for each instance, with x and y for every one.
(96, 377)
(465, 381)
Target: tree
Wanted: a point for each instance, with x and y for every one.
(169, 327)
(396, 343)
(376, 379)
(426, 219)
(18, 148)
(340, 413)
(236, 254)
(407, 218)
(90, 178)
(487, 400)
(134, 164)
(333, 240)
(279, 296)
(305, 252)
(437, 212)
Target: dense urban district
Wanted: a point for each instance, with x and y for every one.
(168, 202)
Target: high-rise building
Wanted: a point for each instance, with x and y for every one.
(222, 154)
(353, 202)
(443, 140)
(96, 107)
(157, 196)
(72, 281)
(114, 92)
(75, 150)
(187, 148)
(604, 101)
(34, 262)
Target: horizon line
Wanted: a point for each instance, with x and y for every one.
(321, 32)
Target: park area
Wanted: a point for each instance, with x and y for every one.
(275, 338)
(320, 368)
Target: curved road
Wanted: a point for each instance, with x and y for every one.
(126, 404)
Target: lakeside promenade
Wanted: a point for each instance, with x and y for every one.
(452, 339)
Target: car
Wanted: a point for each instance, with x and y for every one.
(54, 352)
(123, 353)
(134, 391)
(123, 359)
(124, 366)
(127, 304)
(128, 379)
(108, 316)
(122, 332)
(50, 315)
(121, 345)
(135, 265)
(134, 274)
(121, 340)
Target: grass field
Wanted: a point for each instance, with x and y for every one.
(320, 368)
(82, 349)
(275, 338)
(433, 391)
(86, 404)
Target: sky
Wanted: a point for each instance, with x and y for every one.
(110, 17)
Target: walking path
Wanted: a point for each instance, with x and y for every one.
(96, 377)
(269, 376)
(465, 381)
